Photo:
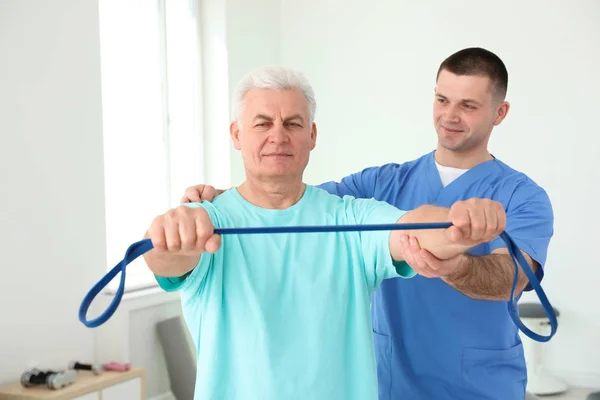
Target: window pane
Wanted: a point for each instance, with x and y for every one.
(134, 148)
(183, 75)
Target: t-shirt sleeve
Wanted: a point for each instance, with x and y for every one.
(530, 223)
(378, 261)
(193, 280)
(359, 185)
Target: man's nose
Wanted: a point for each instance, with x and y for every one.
(278, 134)
(452, 115)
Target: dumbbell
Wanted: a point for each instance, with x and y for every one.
(53, 379)
(97, 369)
(115, 366)
(33, 377)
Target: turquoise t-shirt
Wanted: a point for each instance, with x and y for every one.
(287, 316)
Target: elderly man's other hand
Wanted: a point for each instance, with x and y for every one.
(423, 262)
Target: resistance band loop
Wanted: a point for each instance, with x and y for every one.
(143, 246)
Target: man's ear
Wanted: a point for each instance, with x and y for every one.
(234, 132)
(501, 113)
(313, 136)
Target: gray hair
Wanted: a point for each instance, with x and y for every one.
(274, 78)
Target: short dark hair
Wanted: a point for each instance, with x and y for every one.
(478, 61)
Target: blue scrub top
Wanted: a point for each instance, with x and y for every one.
(431, 341)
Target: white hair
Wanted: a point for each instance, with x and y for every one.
(274, 78)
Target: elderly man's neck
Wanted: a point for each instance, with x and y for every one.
(272, 195)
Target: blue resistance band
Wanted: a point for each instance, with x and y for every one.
(143, 246)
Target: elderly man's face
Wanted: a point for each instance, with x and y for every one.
(275, 134)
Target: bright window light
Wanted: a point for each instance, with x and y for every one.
(150, 100)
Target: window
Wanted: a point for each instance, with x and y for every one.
(152, 138)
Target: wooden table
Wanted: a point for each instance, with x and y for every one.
(110, 385)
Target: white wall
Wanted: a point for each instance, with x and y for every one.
(52, 202)
(373, 69)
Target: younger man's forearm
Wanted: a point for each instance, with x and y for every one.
(489, 277)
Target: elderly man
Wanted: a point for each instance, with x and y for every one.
(288, 315)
